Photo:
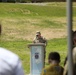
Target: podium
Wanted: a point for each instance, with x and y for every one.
(36, 58)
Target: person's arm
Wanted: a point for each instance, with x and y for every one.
(65, 61)
(18, 69)
(34, 40)
(45, 42)
(65, 69)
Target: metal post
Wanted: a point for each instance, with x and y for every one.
(69, 18)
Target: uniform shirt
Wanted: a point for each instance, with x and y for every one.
(10, 63)
(53, 70)
(40, 40)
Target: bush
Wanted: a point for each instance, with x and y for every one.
(11, 1)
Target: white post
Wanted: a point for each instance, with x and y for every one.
(37, 58)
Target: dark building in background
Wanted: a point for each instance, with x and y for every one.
(3, 0)
(33, 1)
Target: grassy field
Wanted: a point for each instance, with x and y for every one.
(21, 21)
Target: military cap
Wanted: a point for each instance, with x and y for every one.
(38, 33)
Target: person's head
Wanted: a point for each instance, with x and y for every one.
(74, 38)
(38, 34)
(54, 56)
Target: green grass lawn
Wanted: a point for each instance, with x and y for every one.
(23, 10)
(21, 48)
(21, 21)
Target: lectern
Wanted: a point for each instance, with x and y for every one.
(36, 58)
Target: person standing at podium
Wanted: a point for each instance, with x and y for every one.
(40, 39)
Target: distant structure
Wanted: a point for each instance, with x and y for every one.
(33, 1)
(3, 0)
(0, 29)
